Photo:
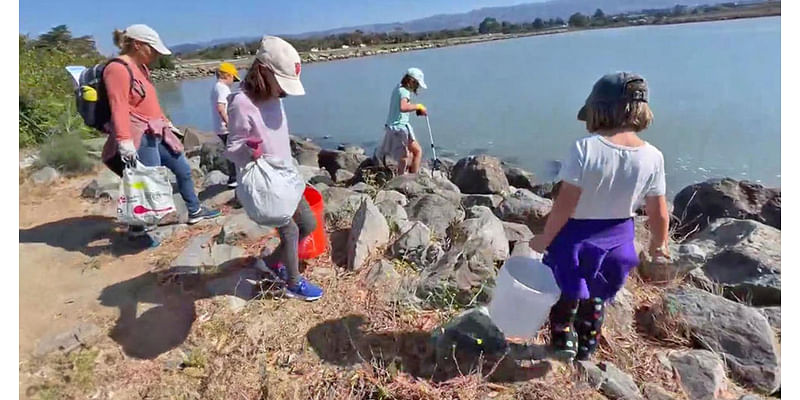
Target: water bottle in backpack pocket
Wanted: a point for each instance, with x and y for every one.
(91, 97)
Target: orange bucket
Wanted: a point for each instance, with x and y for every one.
(315, 244)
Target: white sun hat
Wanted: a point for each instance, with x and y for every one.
(417, 74)
(146, 34)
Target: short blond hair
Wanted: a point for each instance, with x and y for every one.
(634, 114)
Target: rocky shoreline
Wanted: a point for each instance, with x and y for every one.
(190, 70)
(436, 239)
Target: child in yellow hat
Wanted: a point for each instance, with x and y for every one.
(226, 76)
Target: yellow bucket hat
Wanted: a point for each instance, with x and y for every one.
(230, 69)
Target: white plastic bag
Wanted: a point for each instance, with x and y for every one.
(145, 195)
(269, 190)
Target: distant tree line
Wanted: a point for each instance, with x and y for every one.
(488, 26)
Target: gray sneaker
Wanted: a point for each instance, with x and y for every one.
(203, 213)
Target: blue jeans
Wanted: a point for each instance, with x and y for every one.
(153, 152)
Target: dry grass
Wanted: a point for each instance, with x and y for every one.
(352, 344)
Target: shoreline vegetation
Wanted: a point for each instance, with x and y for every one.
(202, 63)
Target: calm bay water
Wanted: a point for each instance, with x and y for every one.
(715, 92)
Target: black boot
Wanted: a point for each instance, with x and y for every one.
(564, 340)
(588, 326)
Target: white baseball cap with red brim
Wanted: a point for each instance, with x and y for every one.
(284, 61)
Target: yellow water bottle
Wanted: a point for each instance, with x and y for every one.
(88, 93)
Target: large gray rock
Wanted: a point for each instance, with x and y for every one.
(368, 233)
(684, 260)
(238, 227)
(482, 223)
(480, 174)
(739, 333)
(466, 270)
(773, 315)
(105, 185)
(342, 176)
(310, 172)
(362, 187)
(193, 140)
(45, 176)
(620, 312)
(652, 391)
(383, 279)
(334, 160)
(205, 255)
(437, 212)
(744, 258)
(546, 190)
(417, 185)
(341, 204)
(468, 267)
(698, 205)
(487, 200)
(391, 195)
(214, 178)
(524, 207)
(610, 381)
(82, 335)
(393, 212)
(212, 158)
(412, 242)
(382, 275)
(517, 232)
(701, 374)
(519, 178)
(218, 198)
(304, 151)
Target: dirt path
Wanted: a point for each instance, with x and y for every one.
(67, 247)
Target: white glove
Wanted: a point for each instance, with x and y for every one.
(127, 150)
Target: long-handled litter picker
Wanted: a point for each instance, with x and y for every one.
(436, 163)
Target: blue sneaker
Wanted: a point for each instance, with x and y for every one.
(304, 290)
(201, 214)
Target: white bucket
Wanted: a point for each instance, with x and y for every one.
(524, 293)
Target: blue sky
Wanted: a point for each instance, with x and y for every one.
(189, 21)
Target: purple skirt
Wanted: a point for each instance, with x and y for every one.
(592, 257)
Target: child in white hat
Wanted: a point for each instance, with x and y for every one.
(399, 141)
(257, 125)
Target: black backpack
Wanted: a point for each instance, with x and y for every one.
(91, 98)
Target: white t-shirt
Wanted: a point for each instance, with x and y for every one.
(614, 179)
(219, 95)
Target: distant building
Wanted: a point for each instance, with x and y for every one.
(344, 46)
(314, 49)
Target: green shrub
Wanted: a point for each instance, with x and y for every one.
(66, 153)
(46, 100)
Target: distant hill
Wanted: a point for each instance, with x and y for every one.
(515, 14)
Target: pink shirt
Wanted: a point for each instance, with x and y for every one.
(264, 122)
